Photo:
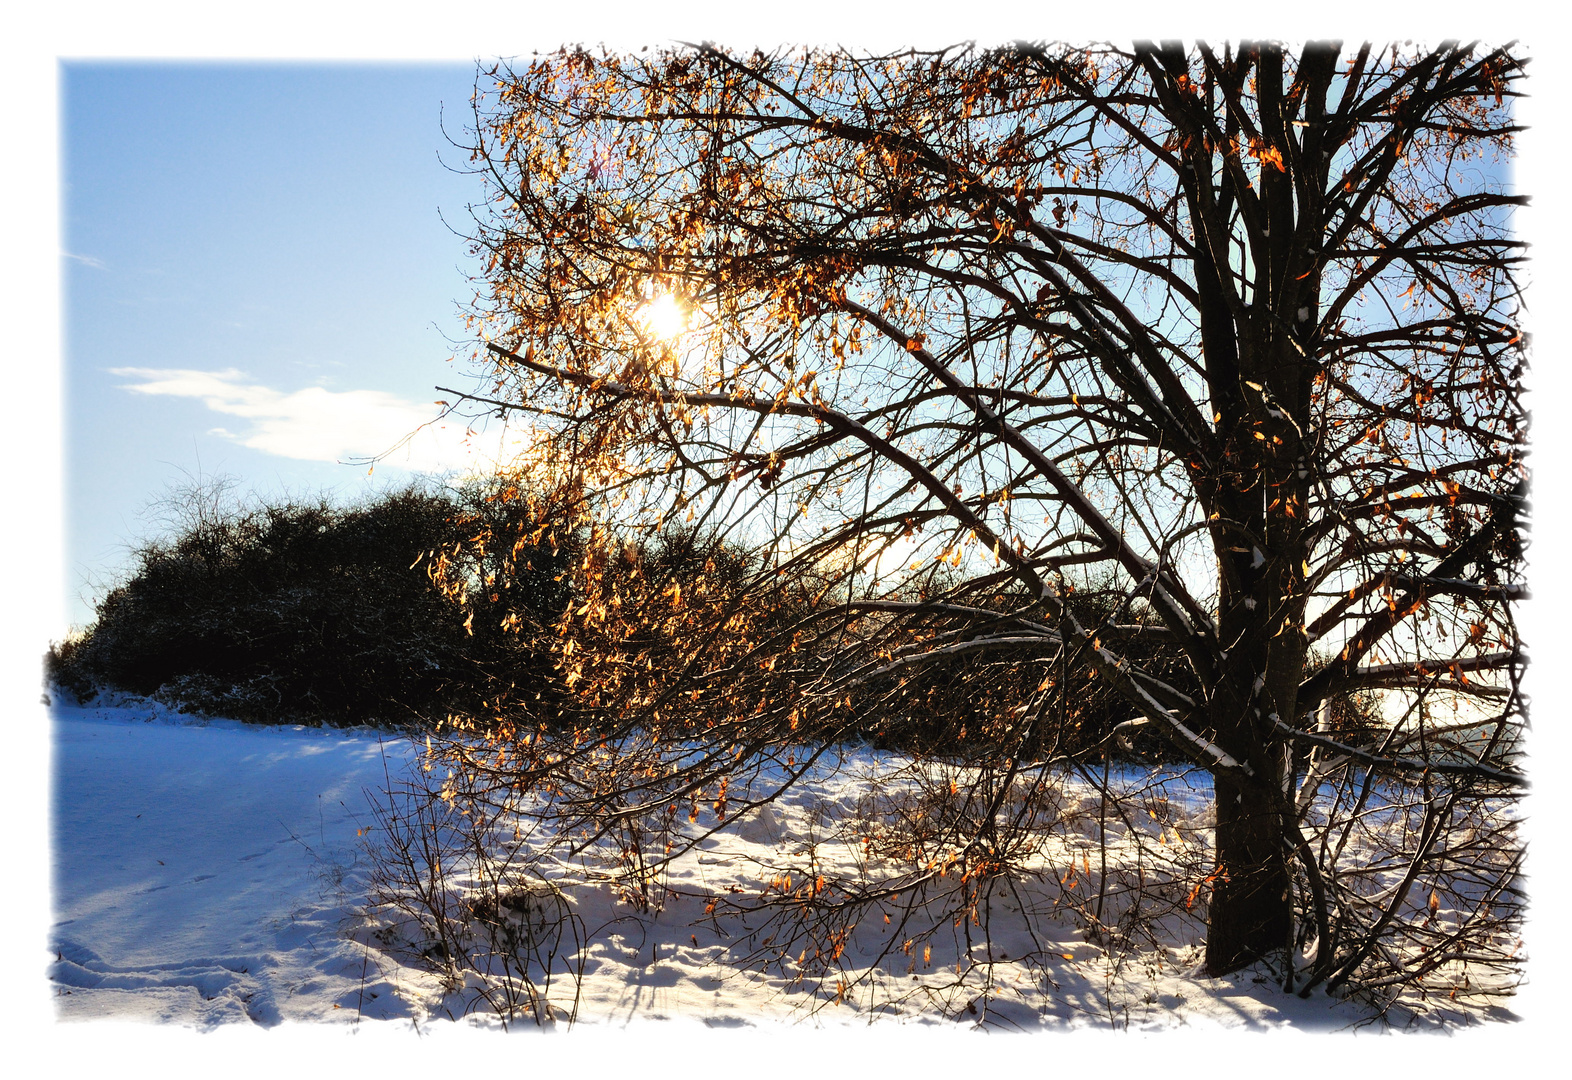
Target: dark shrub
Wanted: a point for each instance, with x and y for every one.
(971, 704)
(304, 611)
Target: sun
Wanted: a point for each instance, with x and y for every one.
(665, 317)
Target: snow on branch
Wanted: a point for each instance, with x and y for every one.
(1404, 764)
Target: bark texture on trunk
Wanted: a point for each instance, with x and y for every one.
(1251, 909)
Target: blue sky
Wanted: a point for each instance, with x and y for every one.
(258, 281)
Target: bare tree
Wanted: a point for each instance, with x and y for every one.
(1230, 332)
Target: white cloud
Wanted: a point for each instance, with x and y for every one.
(315, 424)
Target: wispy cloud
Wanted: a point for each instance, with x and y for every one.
(86, 260)
(315, 424)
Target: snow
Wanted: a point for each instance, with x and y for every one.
(211, 873)
(202, 870)
(212, 794)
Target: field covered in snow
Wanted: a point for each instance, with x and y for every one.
(209, 873)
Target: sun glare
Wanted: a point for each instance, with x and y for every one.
(665, 317)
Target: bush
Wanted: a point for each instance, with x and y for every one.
(303, 612)
(970, 705)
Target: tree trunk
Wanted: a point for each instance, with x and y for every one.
(1262, 614)
(1251, 912)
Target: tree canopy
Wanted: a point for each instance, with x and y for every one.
(948, 335)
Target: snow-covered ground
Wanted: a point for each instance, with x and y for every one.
(203, 871)
(210, 873)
